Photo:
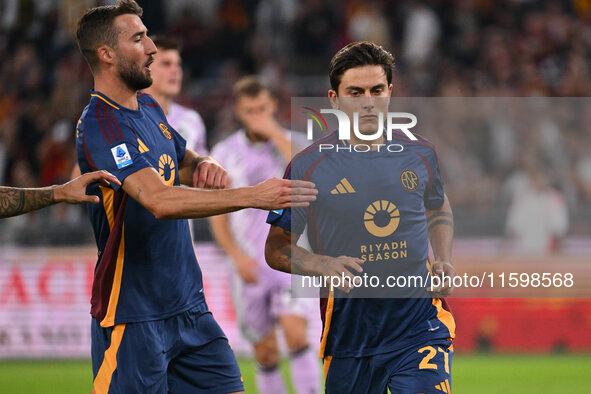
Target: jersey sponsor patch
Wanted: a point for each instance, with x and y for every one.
(121, 156)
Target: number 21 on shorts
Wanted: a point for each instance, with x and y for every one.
(428, 362)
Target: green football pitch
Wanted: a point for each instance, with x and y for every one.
(471, 374)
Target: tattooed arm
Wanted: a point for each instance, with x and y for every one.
(283, 254)
(16, 201)
(440, 225)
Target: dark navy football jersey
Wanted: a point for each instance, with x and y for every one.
(146, 268)
(371, 205)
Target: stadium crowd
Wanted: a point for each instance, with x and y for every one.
(451, 48)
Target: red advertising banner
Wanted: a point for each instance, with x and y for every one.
(45, 301)
(45, 304)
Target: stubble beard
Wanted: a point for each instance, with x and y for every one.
(132, 75)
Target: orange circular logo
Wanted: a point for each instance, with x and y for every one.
(166, 169)
(381, 218)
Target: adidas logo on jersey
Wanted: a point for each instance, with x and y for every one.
(142, 147)
(344, 187)
(444, 387)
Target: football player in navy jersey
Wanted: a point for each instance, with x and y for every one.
(152, 331)
(376, 212)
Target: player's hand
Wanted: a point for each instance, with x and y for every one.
(209, 174)
(283, 193)
(246, 267)
(443, 268)
(74, 192)
(339, 266)
(264, 126)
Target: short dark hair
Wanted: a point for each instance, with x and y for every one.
(95, 28)
(166, 43)
(249, 86)
(357, 54)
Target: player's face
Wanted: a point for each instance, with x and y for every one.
(364, 90)
(252, 111)
(167, 72)
(134, 53)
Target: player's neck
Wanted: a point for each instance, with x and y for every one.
(373, 143)
(117, 91)
(164, 100)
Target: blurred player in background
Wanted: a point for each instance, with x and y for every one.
(537, 218)
(259, 150)
(167, 79)
(368, 203)
(151, 327)
(16, 201)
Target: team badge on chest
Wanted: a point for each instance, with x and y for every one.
(409, 180)
(165, 131)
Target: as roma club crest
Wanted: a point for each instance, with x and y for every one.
(165, 130)
(409, 180)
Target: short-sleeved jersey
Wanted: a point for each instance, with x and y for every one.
(189, 124)
(371, 205)
(146, 268)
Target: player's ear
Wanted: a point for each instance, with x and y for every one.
(334, 99)
(106, 54)
(390, 90)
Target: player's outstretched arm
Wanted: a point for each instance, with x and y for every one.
(440, 225)
(16, 201)
(172, 202)
(283, 254)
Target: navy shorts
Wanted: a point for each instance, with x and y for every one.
(422, 369)
(186, 353)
